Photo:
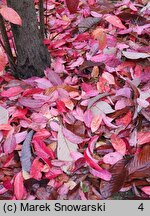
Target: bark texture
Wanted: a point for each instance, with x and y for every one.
(32, 55)
(41, 13)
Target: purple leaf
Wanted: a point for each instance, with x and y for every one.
(31, 103)
(26, 152)
(71, 136)
(53, 77)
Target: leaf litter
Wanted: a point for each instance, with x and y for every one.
(82, 131)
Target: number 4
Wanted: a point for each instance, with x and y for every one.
(141, 207)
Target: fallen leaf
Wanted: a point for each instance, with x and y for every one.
(26, 152)
(102, 107)
(119, 174)
(100, 35)
(72, 5)
(10, 15)
(140, 161)
(19, 189)
(3, 115)
(143, 137)
(10, 142)
(135, 55)
(11, 92)
(112, 158)
(3, 61)
(95, 124)
(31, 103)
(65, 147)
(103, 174)
(36, 167)
(118, 144)
(88, 23)
(146, 190)
(114, 20)
(42, 150)
(71, 136)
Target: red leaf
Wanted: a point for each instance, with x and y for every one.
(109, 77)
(95, 169)
(125, 120)
(36, 168)
(146, 190)
(10, 15)
(92, 144)
(88, 116)
(11, 92)
(30, 92)
(100, 35)
(91, 161)
(72, 5)
(103, 174)
(19, 188)
(118, 144)
(61, 106)
(10, 143)
(103, 85)
(53, 173)
(96, 121)
(41, 149)
(3, 61)
(114, 20)
(143, 137)
(5, 127)
(7, 184)
(19, 113)
(42, 134)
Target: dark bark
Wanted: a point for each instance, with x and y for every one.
(32, 55)
(41, 13)
(6, 44)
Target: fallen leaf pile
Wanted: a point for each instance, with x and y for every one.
(82, 132)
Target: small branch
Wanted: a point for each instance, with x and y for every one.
(6, 44)
(41, 14)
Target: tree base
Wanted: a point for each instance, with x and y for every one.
(32, 55)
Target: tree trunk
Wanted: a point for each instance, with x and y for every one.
(32, 55)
